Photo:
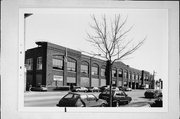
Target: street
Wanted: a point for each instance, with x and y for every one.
(50, 99)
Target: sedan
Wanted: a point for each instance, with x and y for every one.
(93, 89)
(82, 89)
(128, 89)
(39, 88)
(151, 93)
(81, 100)
(118, 97)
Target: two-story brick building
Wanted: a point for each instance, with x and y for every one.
(56, 66)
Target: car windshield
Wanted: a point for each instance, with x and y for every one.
(120, 94)
(70, 96)
(107, 92)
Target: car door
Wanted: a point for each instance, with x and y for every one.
(84, 99)
(120, 96)
(92, 101)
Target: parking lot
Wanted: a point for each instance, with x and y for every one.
(50, 99)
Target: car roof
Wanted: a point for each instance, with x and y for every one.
(80, 93)
(114, 90)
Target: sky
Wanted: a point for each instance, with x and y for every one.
(69, 28)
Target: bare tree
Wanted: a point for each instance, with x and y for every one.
(111, 41)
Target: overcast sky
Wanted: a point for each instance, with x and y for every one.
(68, 28)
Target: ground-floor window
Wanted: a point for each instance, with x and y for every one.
(84, 82)
(58, 81)
(71, 79)
(95, 82)
(119, 83)
(103, 82)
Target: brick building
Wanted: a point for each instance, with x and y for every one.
(56, 66)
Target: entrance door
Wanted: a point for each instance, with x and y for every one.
(38, 79)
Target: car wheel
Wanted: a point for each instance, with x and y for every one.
(103, 105)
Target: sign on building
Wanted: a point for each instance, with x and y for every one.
(58, 78)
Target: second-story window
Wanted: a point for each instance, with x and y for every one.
(114, 74)
(102, 72)
(132, 76)
(39, 63)
(84, 68)
(57, 62)
(94, 70)
(120, 73)
(29, 64)
(71, 65)
(129, 77)
(136, 77)
(125, 74)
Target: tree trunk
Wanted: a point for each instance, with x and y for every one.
(109, 79)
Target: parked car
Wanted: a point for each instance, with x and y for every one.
(151, 93)
(73, 99)
(74, 88)
(102, 88)
(128, 89)
(123, 88)
(118, 97)
(82, 89)
(142, 87)
(114, 88)
(157, 103)
(93, 89)
(39, 88)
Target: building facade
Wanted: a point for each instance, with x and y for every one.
(54, 66)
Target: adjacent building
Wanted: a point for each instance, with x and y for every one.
(54, 66)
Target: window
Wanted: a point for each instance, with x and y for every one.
(113, 73)
(39, 63)
(120, 94)
(68, 96)
(71, 66)
(29, 64)
(91, 98)
(102, 72)
(95, 69)
(57, 64)
(84, 69)
(120, 73)
(136, 77)
(132, 76)
(125, 74)
(129, 76)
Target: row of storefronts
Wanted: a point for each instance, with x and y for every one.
(53, 66)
